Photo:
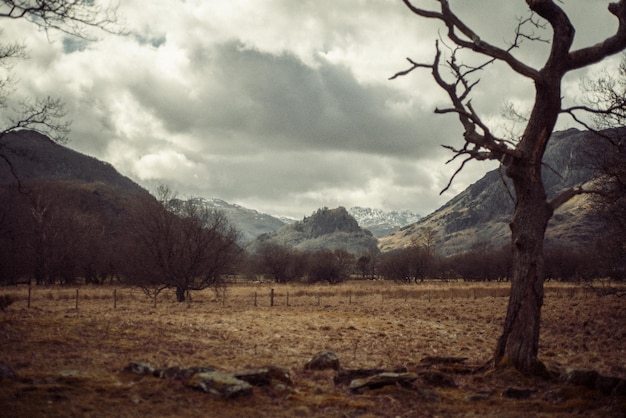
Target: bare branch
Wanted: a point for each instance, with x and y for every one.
(45, 116)
(414, 66)
(68, 16)
(470, 39)
(458, 170)
(568, 194)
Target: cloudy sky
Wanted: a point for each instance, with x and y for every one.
(282, 106)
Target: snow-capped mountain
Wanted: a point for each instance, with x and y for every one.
(381, 223)
(252, 223)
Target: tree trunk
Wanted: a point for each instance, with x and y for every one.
(180, 294)
(519, 342)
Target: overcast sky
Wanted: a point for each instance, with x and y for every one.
(279, 105)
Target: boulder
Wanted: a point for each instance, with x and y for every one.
(220, 384)
(323, 361)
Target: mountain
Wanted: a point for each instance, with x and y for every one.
(381, 222)
(53, 177)
(325, 229)
(249, 222)
(33, 157)
(482, 212)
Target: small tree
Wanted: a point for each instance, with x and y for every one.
(331, 266)
(180, 245)
(521, 157)
(282, 263)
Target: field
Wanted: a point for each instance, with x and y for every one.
(69, 347)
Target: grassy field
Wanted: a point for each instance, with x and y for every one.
(68, 353)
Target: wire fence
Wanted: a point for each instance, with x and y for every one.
(244, 296)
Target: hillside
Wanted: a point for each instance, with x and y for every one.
(36, 157)
(249, 222)
(324, 229)
(481, 212)
(53, 172)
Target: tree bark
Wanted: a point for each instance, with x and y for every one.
(519, 343)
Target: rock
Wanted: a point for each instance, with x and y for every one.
(516, 393)
(7, 372)
(344, 377)
(323, 361)
(224, 385)
(255, 377)
(610, 385)
(280, 374)
(140, 368)
(591, 379)
(169, 373)
(437, 379)
(581, 378)
(383, 379)
(176, 373)
(264, 376)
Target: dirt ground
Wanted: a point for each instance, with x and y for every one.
(68, 353)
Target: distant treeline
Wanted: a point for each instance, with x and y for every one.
(53, 233)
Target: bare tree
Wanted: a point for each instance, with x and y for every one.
(605, 98)
(282, 263)
(522, 158)
(180, 245)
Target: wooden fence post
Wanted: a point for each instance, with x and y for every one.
(76, 299)
(272, 297)
(30, 288)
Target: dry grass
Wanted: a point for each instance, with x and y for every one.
(69, 361)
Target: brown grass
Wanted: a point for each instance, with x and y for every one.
(69, 361)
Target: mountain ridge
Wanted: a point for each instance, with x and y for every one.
(482, 212)
(381, 222)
